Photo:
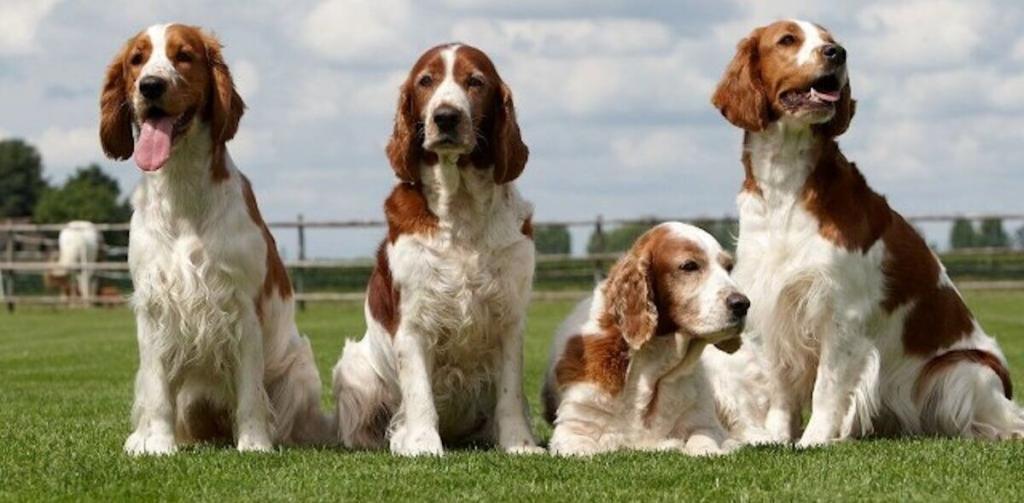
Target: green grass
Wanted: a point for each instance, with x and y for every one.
(65, 391)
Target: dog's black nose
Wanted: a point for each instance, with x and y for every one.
(447, 119)
(738, 303)
(152, 87)
(834, 53)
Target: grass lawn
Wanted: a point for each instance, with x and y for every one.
(66, 386)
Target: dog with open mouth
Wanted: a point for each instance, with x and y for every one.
(220, 356)
(852, 312)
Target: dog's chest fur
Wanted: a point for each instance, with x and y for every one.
(799, 282)
(467, 283)
(189, 279)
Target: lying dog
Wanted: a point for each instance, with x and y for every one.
(625, 371)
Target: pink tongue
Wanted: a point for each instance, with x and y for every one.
(153, 147)
(832, 96)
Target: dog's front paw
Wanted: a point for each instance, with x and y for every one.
(812, 441)
(417, 443)
(149, 444)
(254, 443)
(703, 446)
(526, 449)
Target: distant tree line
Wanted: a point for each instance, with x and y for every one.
(88, 194)
(990, 234)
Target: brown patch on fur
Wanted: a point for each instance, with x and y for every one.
(407, 212)
(527, 228)
(277, 274)
(946, 360)
(201, 421)
(749, 181)
(849, 213)
(939, 317)
(115, 107)
(599, 359)
(382, 296)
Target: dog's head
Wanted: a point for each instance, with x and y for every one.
(675, 279)
(165, 84)
(454, 103)
(793, 71)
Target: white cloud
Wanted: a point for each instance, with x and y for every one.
(19, 21)
(566, 37)
(330, 94)
(365, 31)
(1018, 50)
(63, 149)
(660, 150)
(922, 33)
(247, 78)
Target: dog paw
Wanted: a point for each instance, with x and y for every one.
(526, 449)
(149, 444)
(419, 443)
(254, 443)
(703, 447)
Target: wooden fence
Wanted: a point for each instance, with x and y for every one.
(559, 276)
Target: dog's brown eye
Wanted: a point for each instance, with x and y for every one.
(136, 59)
(183, 57)
(787, 40)
(426, 81)
(689, 266)
(474, 82)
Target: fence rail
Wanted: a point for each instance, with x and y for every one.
(560, 275)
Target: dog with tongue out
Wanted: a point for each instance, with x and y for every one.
(220, 358)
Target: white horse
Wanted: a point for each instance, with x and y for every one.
(79, 245)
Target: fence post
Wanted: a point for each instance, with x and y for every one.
(300, 272)
(7, 284)
(599, 244)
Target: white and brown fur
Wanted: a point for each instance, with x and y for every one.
(852, 313)
(220, 355)
(441, 361)
(626, 369)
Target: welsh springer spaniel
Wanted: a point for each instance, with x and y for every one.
(219, 352)
(626, 368)
(445, 310)
(853, 312)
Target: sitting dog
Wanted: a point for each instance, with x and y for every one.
(442, 358)
(855, 315)
(625, 371)
(220, 356)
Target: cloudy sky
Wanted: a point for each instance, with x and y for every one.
(613, 96)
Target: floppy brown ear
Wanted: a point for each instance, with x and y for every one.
(740, 95)
(630, 297)
(405, 148)
(846, 107)
(226, 106)
(116, 111)
(510, 153)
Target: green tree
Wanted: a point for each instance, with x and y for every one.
(963, 234)
(88, 194)
(992, 234)
(552, 240)
(21, 178)
(1020, 237)
(618, 239)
